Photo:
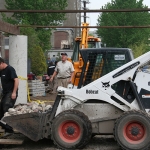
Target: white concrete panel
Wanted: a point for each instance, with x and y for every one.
(18, 59)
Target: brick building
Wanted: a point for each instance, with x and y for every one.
(68, 34)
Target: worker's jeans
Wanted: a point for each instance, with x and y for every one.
(6, 103)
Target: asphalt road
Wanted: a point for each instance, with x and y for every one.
(96, 143)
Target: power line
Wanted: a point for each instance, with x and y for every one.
(75, 11)
(39, 26)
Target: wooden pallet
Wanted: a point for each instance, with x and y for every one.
(35, 94)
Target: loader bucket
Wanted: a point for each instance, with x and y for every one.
(32, 125)
(29, 124)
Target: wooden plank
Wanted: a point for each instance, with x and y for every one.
(37, 87)
(32, 84)
(32, 87)
(37, 90)
(35, 81)
(11, 141)
(9, 28)
(41, 92)
(38, 94)
(32, 81)
(41, 88)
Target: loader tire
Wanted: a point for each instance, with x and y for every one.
(132, 130)
(71, 129)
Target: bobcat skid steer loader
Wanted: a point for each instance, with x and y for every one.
(117, 103)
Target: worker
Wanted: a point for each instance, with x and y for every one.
(52, 84)
(53, 59)
(64, 71)
(10, 84)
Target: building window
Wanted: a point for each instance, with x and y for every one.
(6, 41)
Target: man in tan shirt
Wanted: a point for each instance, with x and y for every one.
(64, 71)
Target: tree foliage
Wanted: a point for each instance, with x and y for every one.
(33, 39)
(138, 49)
(38, 64)
(124, 37)
(45, 19)
(38, 18)
(44, 38)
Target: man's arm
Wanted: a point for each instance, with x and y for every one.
(16, 83)
(52, 77)
(72, 74)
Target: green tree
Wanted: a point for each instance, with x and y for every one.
(44, 19)
(44, 38)
(138, 49)
(33, 39)
(38, 61)
(126, 36)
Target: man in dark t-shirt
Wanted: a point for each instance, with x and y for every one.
(53, 84)
(10, 84)
(50, 69)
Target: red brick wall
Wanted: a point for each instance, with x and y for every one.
(58, 37)
(6, 54)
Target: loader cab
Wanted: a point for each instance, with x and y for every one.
(102, 61)
(92, 43)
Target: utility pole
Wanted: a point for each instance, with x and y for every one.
(85, 30)
(85, 2)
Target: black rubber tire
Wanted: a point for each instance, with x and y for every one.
(126, 138)
(83, 124)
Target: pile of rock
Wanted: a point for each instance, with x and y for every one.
(28, 108)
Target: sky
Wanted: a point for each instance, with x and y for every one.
(97, 4)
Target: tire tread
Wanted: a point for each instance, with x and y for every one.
(87, 122)
(139, 112)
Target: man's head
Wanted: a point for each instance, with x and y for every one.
(2, 64)
(64, 56)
